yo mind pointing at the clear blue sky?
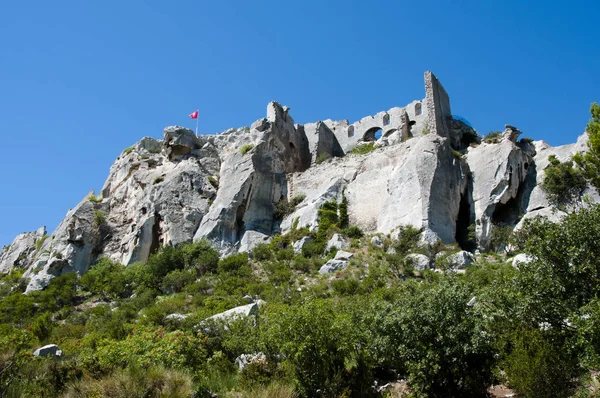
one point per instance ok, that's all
(82, 80)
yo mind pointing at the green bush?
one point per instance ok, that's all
(99, 217)
(95, 199)
(493, 137)
(166, 260)
(135, 381)
(434, 336)
(537, 368)
(233, 263)
(127, 151)
(322, 158)
(40, 242)
(158, 180)
(106, 278)
(363, 149)
(213, 181)
(563, 184)
(353, 232)
(200, 256)
(246, 148)
(175, 281)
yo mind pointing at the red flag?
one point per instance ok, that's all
(194, 115)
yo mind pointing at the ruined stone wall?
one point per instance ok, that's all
(437, 103)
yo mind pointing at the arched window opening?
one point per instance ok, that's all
(372, 134)
(386, 119)
(350, 131)
(418, 109)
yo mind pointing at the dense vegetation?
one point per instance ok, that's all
(535, 328)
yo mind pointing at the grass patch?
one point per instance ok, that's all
(213, 181)
(158, 180)
(456, 154)
(94, 199)
(363, 149)
(246, 148)
(493, 137)
(40, 242)
(322, 158)
(127, 151)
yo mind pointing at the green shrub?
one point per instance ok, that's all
(456, 362)
(40, 242)
(322, 158)
(158, 180)
(127, 151)
(284, 208)
(536, 368)
(343, 210)
(233, 263)
(493, 137)
(200, 256)
(99, 217)
(213, 181)
(363, 149)
(246, 148)
(353, 232)
(106, 278)
(262, 251)
(425, 131)
(164, 261)
(563, 184)
(135, 381)
(95, 199)
(175, 281)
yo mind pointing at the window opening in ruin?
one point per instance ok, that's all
(418, 109)
(372, 134)
(386, 120)
(350, 131)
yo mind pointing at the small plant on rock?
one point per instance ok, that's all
(99, 217)
(246, 148)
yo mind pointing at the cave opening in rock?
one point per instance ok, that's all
(156, 234)
(465, 226)
(239, 221)
(507, 213)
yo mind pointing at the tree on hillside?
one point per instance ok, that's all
(563, 183)
(589, 162)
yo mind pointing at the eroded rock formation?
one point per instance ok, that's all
(225, 187)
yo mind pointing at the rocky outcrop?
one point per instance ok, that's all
(501, 175)
(253, 179)
(225, 187)
(19, 253)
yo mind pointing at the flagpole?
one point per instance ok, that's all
(197, 124)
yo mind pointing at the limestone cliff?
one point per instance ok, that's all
(225, 187)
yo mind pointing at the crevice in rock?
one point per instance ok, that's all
(466, 219)
(157, 239)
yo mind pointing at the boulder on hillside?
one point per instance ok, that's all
(460, 260)
(420, 262)
(49, 350)
(337, 241)
(332, 266)
(299, 244)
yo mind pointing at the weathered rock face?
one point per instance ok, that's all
(19, 253)
(225, 187)
(253, 178)
(500, 190)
